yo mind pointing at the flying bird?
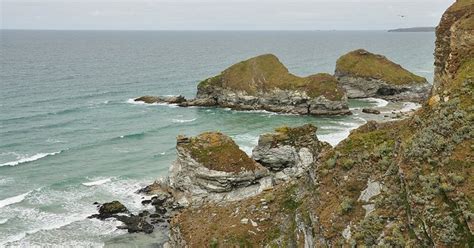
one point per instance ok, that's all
(402, 16)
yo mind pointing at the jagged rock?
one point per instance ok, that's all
(289, 151)
(364, 74)
(135, 224)
(371, 111)
(161, 99)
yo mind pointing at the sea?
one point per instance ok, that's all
(71, 134)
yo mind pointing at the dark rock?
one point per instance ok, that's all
(146, 202)
(160, 210)
(144, 213)
(370, 111)
(113, 207)
(159, 199)
(135, 224)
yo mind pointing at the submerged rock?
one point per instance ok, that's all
(364, 74)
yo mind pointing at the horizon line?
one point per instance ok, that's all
(196, 30)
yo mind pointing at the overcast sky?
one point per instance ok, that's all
(221, 14)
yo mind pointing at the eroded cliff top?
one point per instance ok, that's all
(265, 73)
(217, 151)
(361, 63)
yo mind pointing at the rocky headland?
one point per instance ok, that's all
(406, 183)
(264, 83)
(364, 74)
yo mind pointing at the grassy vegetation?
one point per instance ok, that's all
(219, 152)
(361, 63)
(265, 73)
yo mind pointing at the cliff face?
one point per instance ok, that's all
(263, 82)
(395, 184)
(364, 74)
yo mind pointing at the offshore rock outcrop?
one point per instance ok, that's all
(364, 74)
(264, 83)
(406, 183)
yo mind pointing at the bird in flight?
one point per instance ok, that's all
(402, 16)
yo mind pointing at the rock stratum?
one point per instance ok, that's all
(406, 183)
(364, 74)
(264, 83)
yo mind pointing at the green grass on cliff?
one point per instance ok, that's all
(364, 64)
(217, 151)
(265, 73)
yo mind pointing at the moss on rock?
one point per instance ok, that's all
(265, 73)
(361, 63)
(219, 152)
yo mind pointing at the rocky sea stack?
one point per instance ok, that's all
(264, 83)
(364, 74)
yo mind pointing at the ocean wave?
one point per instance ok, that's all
(26, 159)
(183, 121)
(3, 221)
(133, 136)
(379, 102)
(13, 199)
(98, 182)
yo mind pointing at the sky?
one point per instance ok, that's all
(220, 14)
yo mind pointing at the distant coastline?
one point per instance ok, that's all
(414, 29)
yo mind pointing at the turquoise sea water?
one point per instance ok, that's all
(70, 136)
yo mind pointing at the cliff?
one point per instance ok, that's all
(405, 183)
(364, 74)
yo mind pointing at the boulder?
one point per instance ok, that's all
(364, 74)
(111, 208)
(371, 111)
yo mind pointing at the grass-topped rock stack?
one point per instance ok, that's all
(211, 167)
(263, 82)
(364, 74)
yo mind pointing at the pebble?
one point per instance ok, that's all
(244, 221)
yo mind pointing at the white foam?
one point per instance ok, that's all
(98, 182)
(183, 121)
(409, 106)
(336, 137)
(26, 159)
(132, 101)
(379, 102)
(13, 199)
(3, 221)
